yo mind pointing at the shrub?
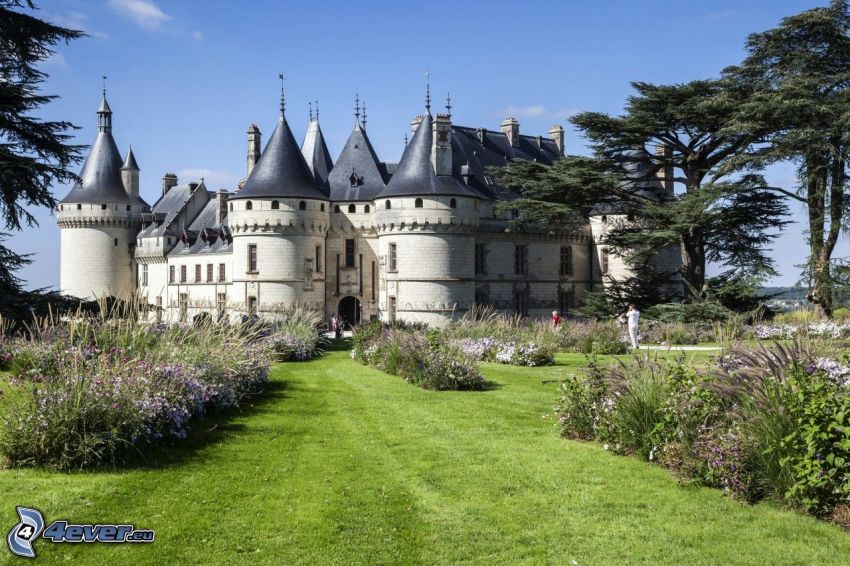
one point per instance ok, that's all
(425, 359)
(524, 355)
(95, 391)
(294, 334)
(593, 338)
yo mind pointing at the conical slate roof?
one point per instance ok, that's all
(415, 174)
(130, 161)
(100, 179)
(281, 170)
(357, 173)
(316, 154)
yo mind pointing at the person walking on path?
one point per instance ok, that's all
(633, 318)
(335, 326)
(556, 319)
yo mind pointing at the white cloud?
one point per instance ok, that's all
(212, 178)
(144, 12)
(55, 60)
(77, 21)
(525, 111)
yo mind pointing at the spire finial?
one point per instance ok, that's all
(449, 104)
(364, 114)
(104, 86)
(282, 95)
(310, 104)
(357, 107)
(317, 110)
(405, 140)
(428, 91)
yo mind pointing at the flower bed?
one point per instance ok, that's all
(92, 392)
(506, 352)
(766, 423)
(425, 360)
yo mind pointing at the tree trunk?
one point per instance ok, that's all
(820, 245)
(693, 263)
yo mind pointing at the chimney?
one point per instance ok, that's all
(169, 180)
(414, 125)
(510, 127)
(441, 151)
(664, 157)
(220, 205)
(254, 136)
(556, 133)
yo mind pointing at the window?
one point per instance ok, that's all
(604, 219)
(144, 274)
(322, 207)
(103, 207)
(302, 205)
(366, 208)
(336, 208)
(349, 252)
(221, 305)
(209, 273)
(521, 260)
(392, 309)
(480, 259)
(159, 308)
(318, 259)
(231, 207)
(222, 273)
(116, 241)
(252, 258)
(521, 302)
(453, 203)
(275, 205)
(197, 273)
(418, 203)
(566, 260)
(184, 306)
(171, 274)
(393, 259)
(352, 208)
(387, 204)
(249, 205)
(128, 207)
(79, 207)
(308, 274)
(252, 306)
(604, 261)
(182, 273)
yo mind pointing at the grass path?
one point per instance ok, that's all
(343, 464)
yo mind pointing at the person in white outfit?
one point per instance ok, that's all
(633, 317)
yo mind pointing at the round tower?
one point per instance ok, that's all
(426, 221)
(279, 220)
(99, 220)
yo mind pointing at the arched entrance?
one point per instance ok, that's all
(349, 310)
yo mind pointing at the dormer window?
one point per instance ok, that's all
(488, 179)
(275, 205)
(302, 205)
(417, 203)
(249, 205)
(355, 180)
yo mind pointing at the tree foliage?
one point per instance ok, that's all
(34, 153)
(799, 73)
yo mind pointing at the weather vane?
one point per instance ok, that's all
(428, 91)
(282, 95)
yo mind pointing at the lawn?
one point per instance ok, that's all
(339, 463)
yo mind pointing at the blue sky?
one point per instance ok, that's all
(187, 78)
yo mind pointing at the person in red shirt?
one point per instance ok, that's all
(556, 319)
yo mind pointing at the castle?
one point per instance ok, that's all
(418, 240)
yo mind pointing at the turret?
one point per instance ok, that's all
(99, 220)
(130, 174)
(315, 152)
